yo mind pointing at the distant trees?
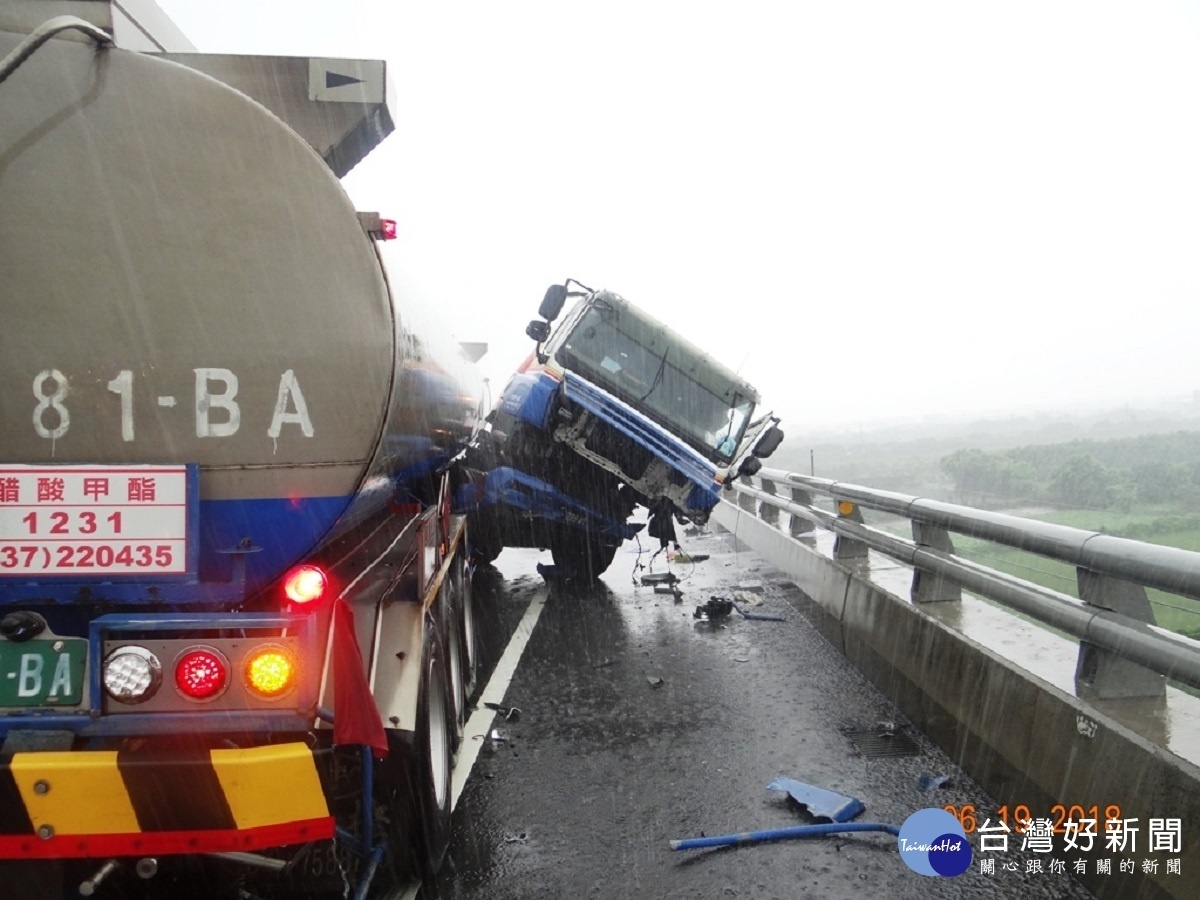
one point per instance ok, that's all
(1152, 469)
(978, 476)
(1160, 482)
(1082, 480)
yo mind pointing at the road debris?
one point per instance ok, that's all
(929, 782)
(508, 712)
(715, 608)
(494, 738)
(822, 803)
(659, 578)
(781, 834)
(746, 598)
(758, 617)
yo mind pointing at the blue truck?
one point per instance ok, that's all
(613, 410)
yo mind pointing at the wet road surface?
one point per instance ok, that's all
(639, 724)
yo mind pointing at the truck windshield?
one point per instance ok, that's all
(660, 375)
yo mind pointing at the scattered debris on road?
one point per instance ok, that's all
(821, 803)
(929, 782)
(715, 608)
(508, 712)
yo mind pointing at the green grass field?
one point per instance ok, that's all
(1152, 525)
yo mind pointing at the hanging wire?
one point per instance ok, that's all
(43, 33)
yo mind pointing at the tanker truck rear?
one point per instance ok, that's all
(236, 630)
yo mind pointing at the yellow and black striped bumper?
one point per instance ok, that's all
(57, 805)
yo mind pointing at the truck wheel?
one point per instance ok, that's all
(483, 537)
(583, 557)
(433, 743)
(451, 619)
(466, 616)
(602, 557)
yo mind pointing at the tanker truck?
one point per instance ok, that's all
(613, 410)
(236, 622)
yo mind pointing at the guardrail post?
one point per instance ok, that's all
(1102, 674)
(799, 525)
(928, 587)
(767, 512)
(845, 547)
(748, 502)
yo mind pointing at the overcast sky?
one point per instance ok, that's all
(874, 209)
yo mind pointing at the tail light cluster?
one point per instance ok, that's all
(259, 668)
(199, 672)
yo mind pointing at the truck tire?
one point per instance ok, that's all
(460, 577)
(582, 557)
(484, 538)
(433, 751)
(452, 631)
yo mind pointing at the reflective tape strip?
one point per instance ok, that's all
(74, 793)
(153, 782)
(84, 803)
(13, 818)
(268, 785)
(163, 843)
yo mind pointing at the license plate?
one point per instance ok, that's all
(42, 672)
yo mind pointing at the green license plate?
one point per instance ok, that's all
(42, 672)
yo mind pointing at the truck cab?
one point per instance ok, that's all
(614, 404)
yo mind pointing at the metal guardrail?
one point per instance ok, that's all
(1112, 619)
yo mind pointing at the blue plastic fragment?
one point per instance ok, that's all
(821, 804)
(782, 834)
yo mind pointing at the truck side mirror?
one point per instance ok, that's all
(552, 303)
(750, 466)
(538, 330)
(769, 442)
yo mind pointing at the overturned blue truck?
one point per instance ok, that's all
(612, 411)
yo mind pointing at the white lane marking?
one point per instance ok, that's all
(480, 723)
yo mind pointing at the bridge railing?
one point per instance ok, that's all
(1044, 699)
(1122, 653)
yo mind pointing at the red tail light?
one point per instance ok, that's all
(201, 674)
(305, 584)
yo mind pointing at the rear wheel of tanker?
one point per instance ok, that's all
(433, 750)
(456, 664)
(466, 621)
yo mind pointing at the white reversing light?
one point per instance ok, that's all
(132, 674)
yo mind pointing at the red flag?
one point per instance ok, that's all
(355, 716)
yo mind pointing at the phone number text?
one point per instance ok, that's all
(89, 557)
